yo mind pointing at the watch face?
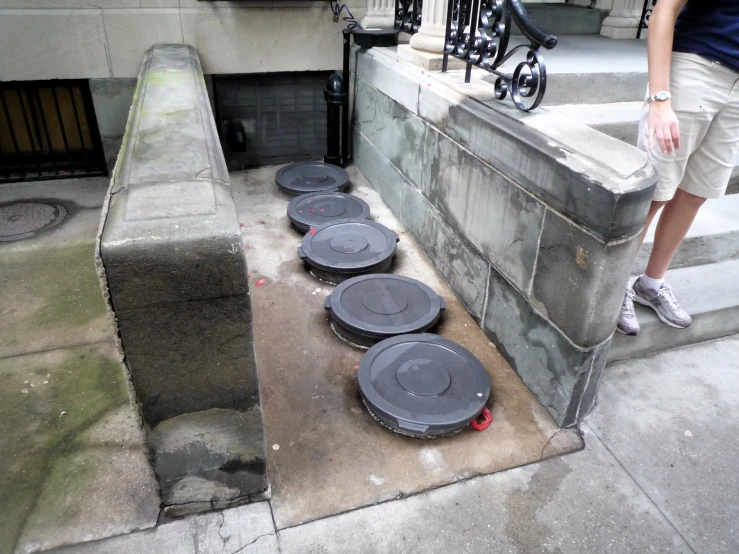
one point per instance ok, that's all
(662, 96)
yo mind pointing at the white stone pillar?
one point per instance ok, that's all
(431, 35)
(623, 21)
(380, 14)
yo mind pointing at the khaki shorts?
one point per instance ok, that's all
(705, 97)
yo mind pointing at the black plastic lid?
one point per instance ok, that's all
(316, 208)
(423, 385)
(375, 37)
(380, 306)
(348, 246)
(303, 177)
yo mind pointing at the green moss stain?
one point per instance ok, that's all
(46, 401)
(50, 298)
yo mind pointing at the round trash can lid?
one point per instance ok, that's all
(379, 306)
(348, 246)
(423, 385)
(303, 177)
(315, 208)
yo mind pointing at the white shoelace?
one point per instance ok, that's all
(666, 293)
(628, 306)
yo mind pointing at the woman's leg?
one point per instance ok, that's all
(673, 225)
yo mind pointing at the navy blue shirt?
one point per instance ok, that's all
(709, 28)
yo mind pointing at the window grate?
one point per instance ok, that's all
(48, 130)
(283, 117)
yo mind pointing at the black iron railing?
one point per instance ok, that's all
(408, 15)
(477, 32)
(646, 13)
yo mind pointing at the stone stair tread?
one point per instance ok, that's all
(598, 114)
(716, 217)
(560, 18)
(616, 119)
(713, 237)
(710, 293)
(590, 114)
(577, 54)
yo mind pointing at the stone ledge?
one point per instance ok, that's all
(598, 182)
(172, 250)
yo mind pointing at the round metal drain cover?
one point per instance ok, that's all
(23, 220)
(315, 208)
(370, 308)
(339, 250)
(423, 385)
(303, 177)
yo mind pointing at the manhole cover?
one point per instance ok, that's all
(370, 308)
(339, 250)
(423, 385)
(303, 177)
(315, 208)
(23, 220)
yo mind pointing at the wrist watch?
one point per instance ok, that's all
(660, 97)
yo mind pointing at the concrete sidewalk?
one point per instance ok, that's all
(73, 464)
(658, 475)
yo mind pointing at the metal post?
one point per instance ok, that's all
(445, 59)
(346, 34)
(333, 95)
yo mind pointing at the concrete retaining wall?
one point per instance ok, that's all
(173, 251)
(174, 269)
(531, 219)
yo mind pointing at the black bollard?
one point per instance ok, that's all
(335, 97)
(346, 78)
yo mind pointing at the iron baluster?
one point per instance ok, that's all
(408, 15)
(478, 32)
(646, 13)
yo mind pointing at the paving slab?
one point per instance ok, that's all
(51, 298)
(246, 530)
(325, 454)
(581, 503)
(72, 462)
(672, 420)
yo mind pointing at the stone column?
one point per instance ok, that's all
(430, 37)
(380, 14)
(623, 21)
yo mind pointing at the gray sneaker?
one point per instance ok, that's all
(663, 303)
(627, 322)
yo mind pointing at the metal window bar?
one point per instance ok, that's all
(646, 13)
(36, 136)
(408, 15)
(477, 32)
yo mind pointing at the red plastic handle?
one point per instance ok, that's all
(482, 421)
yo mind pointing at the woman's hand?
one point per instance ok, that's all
(663, 123)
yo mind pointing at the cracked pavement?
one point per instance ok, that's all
(657, 475)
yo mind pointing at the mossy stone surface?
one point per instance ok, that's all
(51, 299)
(47, 400)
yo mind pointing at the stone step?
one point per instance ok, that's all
(708, 292)
(713, 237)
(590, 69)
(565, 19)
(619, 120)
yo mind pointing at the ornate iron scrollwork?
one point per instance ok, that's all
(408, 15)
(646, 13)
(477, 32)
